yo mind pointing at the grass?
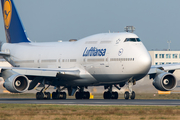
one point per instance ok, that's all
(75, 112)
(79, 112)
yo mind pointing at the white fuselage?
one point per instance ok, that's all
(107, 57)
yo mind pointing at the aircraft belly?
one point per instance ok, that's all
(100, 79)
(111, 77)
(116, 78)
(74, 83)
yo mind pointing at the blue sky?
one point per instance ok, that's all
(156, 21)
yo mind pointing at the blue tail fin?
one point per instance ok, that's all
(14, 30)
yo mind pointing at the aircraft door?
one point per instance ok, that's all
(59, 62)
(106, 63)
(39, 61)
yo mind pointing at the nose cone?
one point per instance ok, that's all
(143, 65)
(144, 62)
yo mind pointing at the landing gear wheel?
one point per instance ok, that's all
(48, 95)
(59, 95)
(54, 95)
(39, 96)
(107, 95)
(62, 95)
(114, 95)
(79, 95)
(82, 95)
(86, 95)
(126, 95)
(132, 95)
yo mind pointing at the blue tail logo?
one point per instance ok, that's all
(14, 30)
(7, 13)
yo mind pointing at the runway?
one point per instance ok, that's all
(92, 102)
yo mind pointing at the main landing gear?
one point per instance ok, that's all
(110, 94)
(43, 94)
(130, 94)
(46, 95)
(58, 94)
(81, 94)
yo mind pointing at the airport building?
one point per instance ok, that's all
(165, 57)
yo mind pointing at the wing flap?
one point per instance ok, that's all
(36, 72)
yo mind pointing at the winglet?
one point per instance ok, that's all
(14, 30)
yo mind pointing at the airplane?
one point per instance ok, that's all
(105, 59)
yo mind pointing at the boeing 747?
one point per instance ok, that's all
(106, 59)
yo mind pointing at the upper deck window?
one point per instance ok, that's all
(132, 40)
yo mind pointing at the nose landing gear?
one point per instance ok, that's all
(130, 94)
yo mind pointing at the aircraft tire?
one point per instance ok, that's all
(48, 95)
(133, 95)
(37, 96)
(126, 95)
(86, 95)
(114, 95)
(63, 95)
(58, 95)
(107, 95)
(40, 96)
(79, 95)
(54, 95)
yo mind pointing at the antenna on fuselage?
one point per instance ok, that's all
(129, 29)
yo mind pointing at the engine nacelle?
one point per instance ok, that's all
(16, 83)
(165, 81)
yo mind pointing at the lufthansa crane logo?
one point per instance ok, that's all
(7, 11)
(120, 52)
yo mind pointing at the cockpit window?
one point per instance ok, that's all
(138, 40)
(132, 40)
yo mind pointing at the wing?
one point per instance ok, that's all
(167, 68)
(13, 76)
(43, 72)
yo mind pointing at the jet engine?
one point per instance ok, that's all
(165, 81)
(16, 83)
